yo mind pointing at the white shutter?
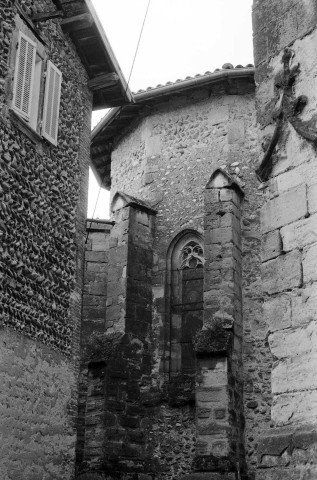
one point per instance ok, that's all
(51, 102)
(24, 75)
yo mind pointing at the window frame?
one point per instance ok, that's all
(17, 71)
(34, 120)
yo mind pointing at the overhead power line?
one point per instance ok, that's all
(119, 114)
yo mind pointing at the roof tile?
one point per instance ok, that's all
(225, 66)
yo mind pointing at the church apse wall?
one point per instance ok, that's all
(165, 160)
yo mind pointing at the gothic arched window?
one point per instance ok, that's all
(186, 300)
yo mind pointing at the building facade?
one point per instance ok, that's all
(285, 51)
(173, 285)
(177, 339)
(229, 389)
(48, 78)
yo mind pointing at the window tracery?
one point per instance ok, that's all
(192, 256)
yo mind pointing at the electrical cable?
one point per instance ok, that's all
(128, 82)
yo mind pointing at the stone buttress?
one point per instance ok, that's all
(219, 406)
(118, 359)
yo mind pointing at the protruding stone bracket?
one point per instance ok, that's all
(121, 200)
(102, 347)
(287, 108)
(214, 340)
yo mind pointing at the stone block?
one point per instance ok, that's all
(207, 475)
(310, 263)
(312, 198)
(147, 179)
(293, 342)
(282, 273)
(212, 428)
(296, 373)
(113, 313)
(93, 313)
(236, 132)
(100, 246)
(95, 256)
(216, 376)
(96, 267)
(153, 145)
(278, 24)
(212, 196)
(219, 235)
(271, 245)
(299, 234)
(294, 408)
(282, 210)
(218, 115)
(305, 172)
(220, 413)
(277, 313)
(96, 288)
(304, 305)
(203, 412)
(99, 241)
(212, 395)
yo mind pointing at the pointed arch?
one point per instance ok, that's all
(185, 261)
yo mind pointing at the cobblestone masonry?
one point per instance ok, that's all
(284, 36)
(42, 220)
(166, 159)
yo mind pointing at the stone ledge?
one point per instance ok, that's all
(211, 465)
(210, 476)
(280, 440)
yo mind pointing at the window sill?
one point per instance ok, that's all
(25, 128)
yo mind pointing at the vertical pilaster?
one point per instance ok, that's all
(128, 326)
(218, 347)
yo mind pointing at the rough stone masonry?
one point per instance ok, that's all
(43, 203)
(182, 343)
(247, 388)
(285, 52)
(193, 410)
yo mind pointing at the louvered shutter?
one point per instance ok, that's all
(51, 102)
(24, 75)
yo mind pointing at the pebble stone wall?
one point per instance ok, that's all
(42, 211)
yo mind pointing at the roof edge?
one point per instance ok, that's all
(178, 87)
(111, 115)
(200, 81)
(109, 52)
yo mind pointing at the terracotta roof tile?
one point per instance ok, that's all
(225, 66)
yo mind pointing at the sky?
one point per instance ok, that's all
(180, 38)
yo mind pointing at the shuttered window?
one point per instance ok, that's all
(24, 75)
(51, 102)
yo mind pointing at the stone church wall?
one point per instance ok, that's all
(166, 160)
(42, 223)
(285, 42)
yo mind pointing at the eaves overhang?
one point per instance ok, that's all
(106, 79)
(235, 81)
